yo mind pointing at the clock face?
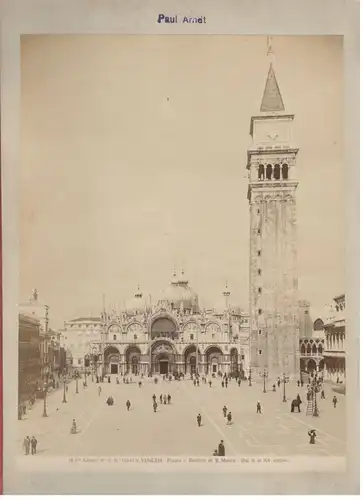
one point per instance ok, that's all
(135, 328)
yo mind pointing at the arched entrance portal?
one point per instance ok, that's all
(112, 360)
(163, 358)
(133, 357)
(214, 358)
(190, 359)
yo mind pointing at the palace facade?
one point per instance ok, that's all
(173, 335)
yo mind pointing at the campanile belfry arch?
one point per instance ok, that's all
(271, 161)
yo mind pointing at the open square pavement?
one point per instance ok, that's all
(113, 431)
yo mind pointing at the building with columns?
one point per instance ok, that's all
(335, 350)
(172, 335)
(271, 162)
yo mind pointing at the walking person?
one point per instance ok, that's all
(128, 405)
(224, 411)
(335, 400)
(274, 388)
(312, 435)
(155, 405)
(99, 390)
(199, 419)
(259, 409)
(215, 453)
(154, 398)
(26, 445)
(161, 399)
(165, 399)
(169, 399)
(210, 383)
(229, 418)
(34, 443)
(221, 449)
(239, 382)
(222, 384)
(322, 394)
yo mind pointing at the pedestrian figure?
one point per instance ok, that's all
(194, 382)
(140, 384)
(229, 418)
(222, 384)
(164, 399)
(298, 383)
(274, 388)
(239, 382)
(128, 405)
(259, 407)
(215, 453)
(322, 394)
(226, 383)
(154, 398)
(161, 399)
(278, 382)
(221, 449)
(335, 400)
(33, 443)
(99, 390)
(312, 435)
(302, 383)
(199, 419)
(210, 383)
(224, 411)
(109, 379)
(74, 427)
(155, 405)
(169, 399)
(198, 382)
(26, 445)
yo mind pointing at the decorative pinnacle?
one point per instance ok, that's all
(226, 292)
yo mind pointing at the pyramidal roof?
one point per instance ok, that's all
(272, 100)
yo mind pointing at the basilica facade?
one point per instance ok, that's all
(173, 335)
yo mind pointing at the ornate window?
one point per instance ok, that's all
(134, 329)
(213, 328)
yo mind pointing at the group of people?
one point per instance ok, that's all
(30, 445)
(227, 414)
(164, 399)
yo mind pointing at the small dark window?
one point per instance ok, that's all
(258, 231)
(114, 337)
(259, 272)
(259, 289)
(277, 172)
(285, 171)
(260, 311)
(260, 332)
(258, 211)
(191, 336)
(135, 337)
(261, 172)
(259, 351)
(269, 172)
(259, 253)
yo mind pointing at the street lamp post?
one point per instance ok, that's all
(264, 375)
(285, 379)
(85, 377)
(314, 390)
(77, 375)
(45, 414)
(250, 377)
(64, 389)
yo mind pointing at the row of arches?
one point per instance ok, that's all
(163, 358)
(275, 172)
(311, 349)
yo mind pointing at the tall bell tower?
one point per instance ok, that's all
(271, 161)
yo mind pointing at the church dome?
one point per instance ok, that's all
(179, 295)
(137, 304)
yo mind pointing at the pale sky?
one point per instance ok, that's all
(134, 161)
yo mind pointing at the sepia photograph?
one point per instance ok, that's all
(182, 276)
